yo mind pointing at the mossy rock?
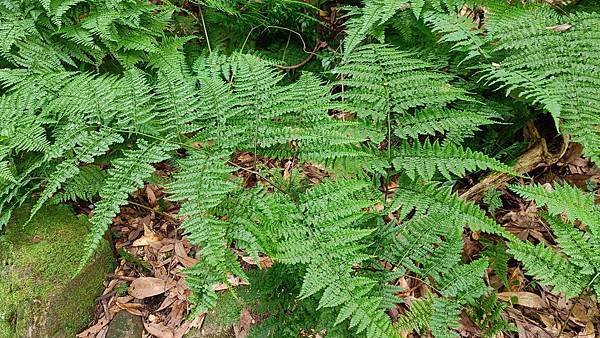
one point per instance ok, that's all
(219, 321)
(39, 295)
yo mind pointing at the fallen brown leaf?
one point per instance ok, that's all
(144, 287)
(148, 238)
(158, 330)
(242, 328)
(527, 299)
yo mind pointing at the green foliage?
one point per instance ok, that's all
(346, 185)
(460, 31)
(369, 20)
(492, 199)
(425, 159)
(576, 267)
(564, 198)
(552, 60)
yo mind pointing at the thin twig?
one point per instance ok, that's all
(153, 210)
(566, 321)
(319, 45)
(205, 31)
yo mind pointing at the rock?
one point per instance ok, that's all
(125, 325)
(39, 295)
(218, 322)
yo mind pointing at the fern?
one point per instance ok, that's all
(127, 174)
(581, 267)
(430, 121)
(91, 146)
(380, 80)
(365, 21)
(411, 195)
(563, 198)
(329, 243)
(460, 31)
(553, 67)
(86, 185)
(424, 159)
(343, 178)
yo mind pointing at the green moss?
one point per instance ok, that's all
(37, 287)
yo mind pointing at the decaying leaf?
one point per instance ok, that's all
(144, 287)
(560, 28)
(527, 299)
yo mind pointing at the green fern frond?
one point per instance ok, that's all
(418, 317)
(579, 246)
(125, 176)
(549, 267)
(554, 67)
(581, 266)
(411, 195)
(5, 172)
(432, 120)
(380, 80)
(84, 186)
(365, 21)
(90, 146)
(438, 315)
(460, 31)
(428, 158)
(564, 198)
(329, 243)
(137, 109)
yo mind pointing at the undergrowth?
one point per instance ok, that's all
(400, 101)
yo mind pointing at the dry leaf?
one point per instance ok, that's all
(588, 332)
(560, 28)
(94, 329)
(243, 326)
(148, 238)
(159, 330)
(264, 261)
(144, 287)
(151, 196)
(527, 299)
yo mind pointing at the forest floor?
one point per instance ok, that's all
(148, 280)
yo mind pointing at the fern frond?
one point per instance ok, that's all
(432, 120)
(365, 21)
(411, 195)
(549, 267)
(418, 317)
(564, 198)
(428, 158)
(438, 315)
(577, 245)
(380, 80)
(125, 176)
(329, 242)
(84, 186)
(460, 31)
(556, 68)
(137, 109)
(92, 145)
(5, 172)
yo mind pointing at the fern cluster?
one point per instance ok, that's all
(580, 269)
(95, 93)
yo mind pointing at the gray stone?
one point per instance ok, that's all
(125, 325)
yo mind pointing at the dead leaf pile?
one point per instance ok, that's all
(148, 280)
